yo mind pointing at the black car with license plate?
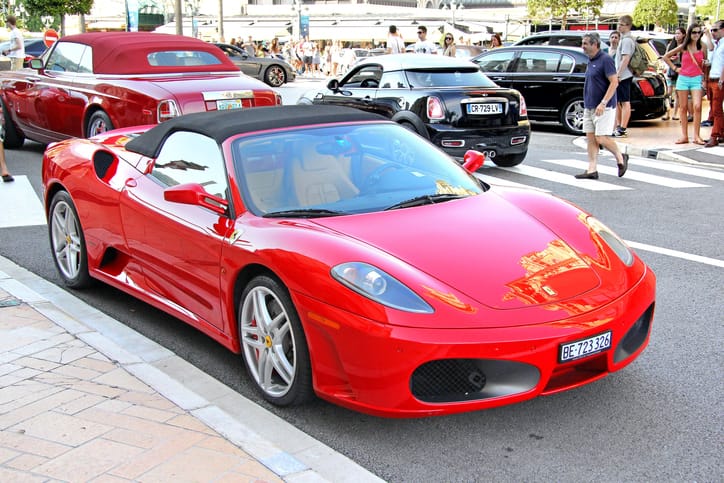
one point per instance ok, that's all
(551, 79)
(443, 99)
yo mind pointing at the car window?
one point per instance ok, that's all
(66, 57)
(538, 62)
(496, 61)
(451, 77)
(170, 58)
(188, 157)
(393, 80)
(365, 77)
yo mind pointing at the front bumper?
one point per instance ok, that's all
(394, 371)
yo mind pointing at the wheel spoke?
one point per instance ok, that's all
(261, 312)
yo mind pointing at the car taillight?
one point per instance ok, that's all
(167, 109)
(646, 88)
(523, 108)
(435, 110)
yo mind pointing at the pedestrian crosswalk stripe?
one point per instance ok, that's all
(20, 205)
(504, 182)
(678, 168)
(564, 178)
(675, 253)
(630, 174)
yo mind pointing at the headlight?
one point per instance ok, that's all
(612, 240)
(377, 285)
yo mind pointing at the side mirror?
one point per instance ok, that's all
(473, 160)
(36, 63)
(333, 85)
(195, 194)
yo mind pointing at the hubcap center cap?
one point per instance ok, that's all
(268, 341)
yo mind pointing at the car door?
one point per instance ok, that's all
(542, 76)
(357, 89)
(179, 245)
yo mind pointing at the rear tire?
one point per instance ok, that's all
(275, 75)
(572, 116)
(98, 123)
(13, 139)
(510, 160)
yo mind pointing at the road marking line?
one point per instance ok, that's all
(20, 204)
(677, 168)
(564, 178)
(638, 176)
(493, 181)
(676, 253)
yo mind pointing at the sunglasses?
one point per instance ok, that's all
(419, 32)
(696, 31)
(448, 38)
(713, 30)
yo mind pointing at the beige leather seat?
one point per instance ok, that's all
(321, 178)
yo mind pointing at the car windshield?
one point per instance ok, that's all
(345, 169)
(458, 77)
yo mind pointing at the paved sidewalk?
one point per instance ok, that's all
(85, 398)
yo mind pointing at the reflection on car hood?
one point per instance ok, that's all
(482, 246)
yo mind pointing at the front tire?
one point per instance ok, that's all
(572, 116)
(275, 75)
(273, 343)
(98, 123)
(67, 242)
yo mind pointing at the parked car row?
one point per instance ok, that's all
(33, 48)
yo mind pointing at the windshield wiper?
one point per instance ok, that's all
(426, 200)
(303, 213)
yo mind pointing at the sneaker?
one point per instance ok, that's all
(621, 132)
(706, 123)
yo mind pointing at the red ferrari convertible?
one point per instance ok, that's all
(89, 83)
(344, 256)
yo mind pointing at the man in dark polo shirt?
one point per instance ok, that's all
(599, 106)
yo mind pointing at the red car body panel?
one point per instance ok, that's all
(49, 105)
(542, 279)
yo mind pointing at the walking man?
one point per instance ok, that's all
(599, 106)
(716, 78)
(626, 47)
(16, 52)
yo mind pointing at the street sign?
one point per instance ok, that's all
(50, 37)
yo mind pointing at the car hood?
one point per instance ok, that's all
(482, 246)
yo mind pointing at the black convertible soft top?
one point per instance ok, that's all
(220, 125)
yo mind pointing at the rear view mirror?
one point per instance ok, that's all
(195, 194)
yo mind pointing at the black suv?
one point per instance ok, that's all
(443, 99)
(551, 80)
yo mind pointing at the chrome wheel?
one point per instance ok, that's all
(99, 123)
(67, 242)
(273, 343)
(275, 76)
(572, 116)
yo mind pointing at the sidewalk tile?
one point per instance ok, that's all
(14, 476)
(61, 428)
(31, 410)
(28, 444)
(26, 462)
(122, 379)
(88, 461)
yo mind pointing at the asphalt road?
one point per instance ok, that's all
(659, 419)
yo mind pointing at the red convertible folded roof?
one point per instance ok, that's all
(126, 53)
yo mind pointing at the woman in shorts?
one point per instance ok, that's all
(690, 80)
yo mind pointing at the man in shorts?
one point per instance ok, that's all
(599, 106)
(624, 52)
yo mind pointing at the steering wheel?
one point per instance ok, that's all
(369, 83)
(375, 176)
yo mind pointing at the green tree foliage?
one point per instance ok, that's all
(655, 12)
(708, 11)
(58, 8)
(560, 10)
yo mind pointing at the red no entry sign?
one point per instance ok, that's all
(50, 37)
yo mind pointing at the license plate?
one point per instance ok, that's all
(489, 108)
(224, 104)
(585, 347)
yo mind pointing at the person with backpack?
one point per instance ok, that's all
(626, 49)
(691, 76)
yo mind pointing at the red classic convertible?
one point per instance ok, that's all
(345, 256)
(93, 82)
